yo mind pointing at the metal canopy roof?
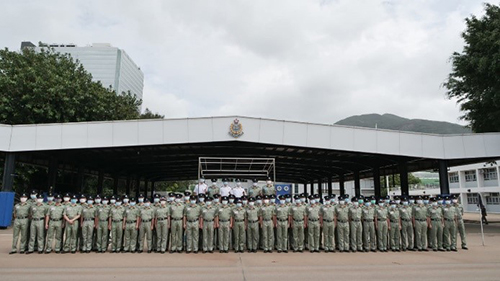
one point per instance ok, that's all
(170, 149)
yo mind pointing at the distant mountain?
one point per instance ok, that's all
(394, 122)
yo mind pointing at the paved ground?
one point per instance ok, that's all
(478, 263)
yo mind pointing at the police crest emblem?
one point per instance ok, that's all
(236, 129)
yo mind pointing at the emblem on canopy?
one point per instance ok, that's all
(236, 129)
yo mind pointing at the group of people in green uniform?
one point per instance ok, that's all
(206, 221)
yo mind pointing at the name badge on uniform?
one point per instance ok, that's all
(52, 208)
(235, 212)
(17, 207)
(128, 211)
(418, 209)
(188, 209)
(34, 209)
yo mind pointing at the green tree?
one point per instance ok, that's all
(475, 76)
(150, 115)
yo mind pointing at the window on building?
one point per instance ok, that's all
(493, 199)
(473, 198)
(490, 174)
(453, 177)
(470, 176)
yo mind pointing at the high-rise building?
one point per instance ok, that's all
(107, 64)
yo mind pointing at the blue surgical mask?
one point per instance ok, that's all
(193, 201)
(426, 201)
(50, 199)
(312, 201)
(156, 200)
(73, 201)
(374, 201)
(238, 204)
(33, 196)
(98, 201)
(405, 203)
(216, 200)
(224, 202)
(147, 204)
(125, 200)
(118, 203)
(381, 204)
(105, 202)
(132, 203)
(251, 203)
(288, 200)
(393, 206)
(282, 202)
(90, 202)
(112, 201)
(368, 204)
(259, 201)
(209, 203)
(202, 199)
(448, 202)
(231, 200)
(141, 200)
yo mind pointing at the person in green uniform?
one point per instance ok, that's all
(450, 225)
(146, 225)
(327, 221)
(224, 224)
(209, 215)
(368, 217)
(71, 214)
(435, 217)
(298, 213)
(395, 227)
(21, 223)
(132, 215)
(252, 226)
(420, 222)
(239, 226)
(269, 189)
(213, 188)
(313, 224)
(38, 211)
(342, 223)
(406, 216)
(117, 224)
(267, 222)
(88, 221)
(162, 215)
(382, 224)
(459, 211)
(192, 223)
(356, 231)
(53, 224)
(283, 218)
(104, 225)
(255, 189)
(176, 224)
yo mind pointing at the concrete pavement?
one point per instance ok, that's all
(478, 263)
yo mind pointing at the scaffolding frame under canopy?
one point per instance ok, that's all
(237, 167)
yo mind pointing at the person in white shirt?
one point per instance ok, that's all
(201, 187)
(238, 191)
(225, 190)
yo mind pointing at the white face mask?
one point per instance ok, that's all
(209, 203)
(259, 201)
(113, 201)
(216, 200)
(455, 201)
(420, 202)
(132, 203)
(39, 200)
(147, 204)
(266, 201)
(66, 199)
(238, 184)
(244, 202)
(105, 202)
(50, 199)
(141, 200)
(125, 200)
(83, 200)
(356, 204)
(251, 203)
(156, 200)
(448, 202)
(186, 198)
(193, 201)
(226, 183)
(341, 202)
(312, 201)
(269, 182)
(398, 201)
(98, 201)
(178, 200)
(254, 184)
(118, 203)
(224, 202)
(33, 196)
(231, 200)
(90, 202)
(434, 203)
(163, 202)
(24, 199)
(202, 199)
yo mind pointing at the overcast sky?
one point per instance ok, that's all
(315, 61)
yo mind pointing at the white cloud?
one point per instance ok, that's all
(303, 60)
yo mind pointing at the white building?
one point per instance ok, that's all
(107, 64)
